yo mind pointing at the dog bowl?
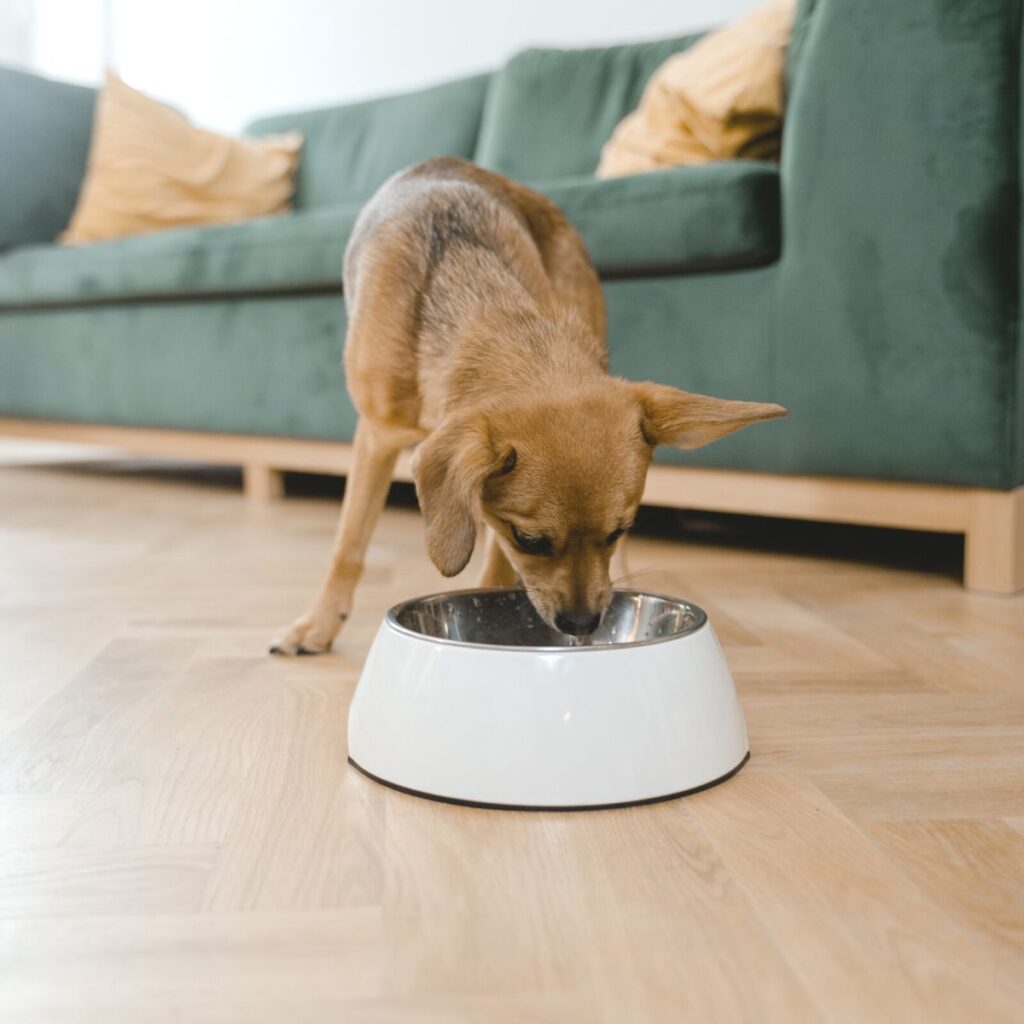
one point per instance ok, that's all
(471, 698)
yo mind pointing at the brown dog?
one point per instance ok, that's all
(476, 326)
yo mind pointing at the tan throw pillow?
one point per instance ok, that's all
(719, 100)
(150, 168)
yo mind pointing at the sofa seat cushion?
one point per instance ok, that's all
(686, 219)
(676, 221)
(291, 252)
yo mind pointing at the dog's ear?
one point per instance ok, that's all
(450, 468)
(671, 416)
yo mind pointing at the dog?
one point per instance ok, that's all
(477, 332)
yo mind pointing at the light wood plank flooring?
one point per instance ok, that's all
(182, 840)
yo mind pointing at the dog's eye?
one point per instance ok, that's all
(614, 536)
(531, 545)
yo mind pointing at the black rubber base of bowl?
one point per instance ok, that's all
(544, 807)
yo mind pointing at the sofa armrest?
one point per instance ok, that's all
(45, 133)
(899, 285)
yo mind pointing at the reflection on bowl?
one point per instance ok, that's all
(506, 618)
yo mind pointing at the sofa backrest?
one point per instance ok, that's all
(45, 128)
(348, 151)
(549, 112)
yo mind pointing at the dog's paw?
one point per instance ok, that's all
(312, 634)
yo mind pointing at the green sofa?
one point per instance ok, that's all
(870, 283)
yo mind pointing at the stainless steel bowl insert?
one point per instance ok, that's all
(507, 619)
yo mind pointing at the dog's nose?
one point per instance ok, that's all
(577, 623)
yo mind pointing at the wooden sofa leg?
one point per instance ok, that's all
(261, 483)
(994, 546)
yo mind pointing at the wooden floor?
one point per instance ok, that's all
(182, 840)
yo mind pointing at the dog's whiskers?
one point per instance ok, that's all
(633, 575)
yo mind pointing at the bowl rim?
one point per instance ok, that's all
(391, 621)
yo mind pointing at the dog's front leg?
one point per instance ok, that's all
(497, 570)
(366, 490)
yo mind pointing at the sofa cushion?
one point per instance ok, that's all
(719, 100)
(290, 252)
(549, 112)
(674, 221)
(348, 151)
(680, 220)
(151, 169)
(45, 128)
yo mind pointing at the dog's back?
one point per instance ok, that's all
(447, 201)
(436, 244)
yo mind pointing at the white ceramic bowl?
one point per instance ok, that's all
(470, 697)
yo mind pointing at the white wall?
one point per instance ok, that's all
(15, 31)
(59, 38)
(225, 61)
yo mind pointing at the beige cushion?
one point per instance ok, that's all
(719, 100)
(150, 168)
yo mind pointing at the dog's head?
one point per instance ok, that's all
(559, 478)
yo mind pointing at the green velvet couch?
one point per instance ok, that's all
(870, 283)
